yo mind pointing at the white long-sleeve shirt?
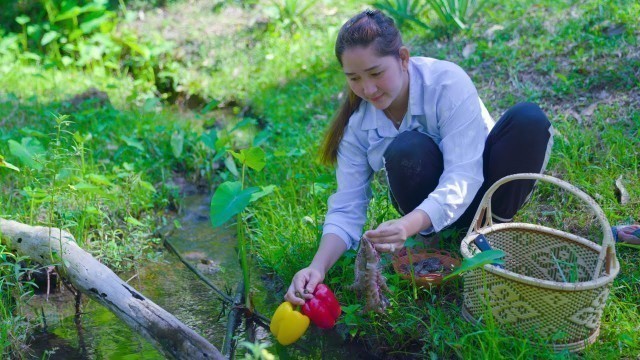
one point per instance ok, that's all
(443, 104)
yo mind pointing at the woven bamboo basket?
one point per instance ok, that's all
(532, 295)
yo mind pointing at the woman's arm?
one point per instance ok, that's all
(305, 281)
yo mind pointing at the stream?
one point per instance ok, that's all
(98, 334)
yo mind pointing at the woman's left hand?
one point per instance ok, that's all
(388, 236)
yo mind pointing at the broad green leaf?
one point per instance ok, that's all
(478, 261)
(177, 143)
(253, 157)
(26, 151)
(264, 191)
(228, 200)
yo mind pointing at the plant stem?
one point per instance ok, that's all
(242, 249)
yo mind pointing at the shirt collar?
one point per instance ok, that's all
(374, 118)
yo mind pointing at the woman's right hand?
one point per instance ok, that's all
(303, 285)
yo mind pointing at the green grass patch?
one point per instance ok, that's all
(104, 172)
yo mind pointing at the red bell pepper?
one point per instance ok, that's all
(323, 309)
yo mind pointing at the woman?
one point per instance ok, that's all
(420, 120)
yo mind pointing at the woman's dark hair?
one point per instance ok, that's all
(370, 27)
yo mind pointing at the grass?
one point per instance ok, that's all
(578, 60)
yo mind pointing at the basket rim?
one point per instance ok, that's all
(528, 280)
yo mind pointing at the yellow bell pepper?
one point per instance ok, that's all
(287, 324)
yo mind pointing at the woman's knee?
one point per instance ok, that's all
(530, 118)
(411, 144)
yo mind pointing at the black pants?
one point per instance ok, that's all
(517, 144)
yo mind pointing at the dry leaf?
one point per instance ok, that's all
(621, 192)
(468, 50)
(490, 33)
(576, 115)
(590, 109)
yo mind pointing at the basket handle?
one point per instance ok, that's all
(608, 251)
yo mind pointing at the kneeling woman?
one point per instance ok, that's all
(420, 120)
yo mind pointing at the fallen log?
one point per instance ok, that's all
(52, 246)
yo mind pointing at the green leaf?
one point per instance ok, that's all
(231, 165)
(633, 246)
(264, 191)
(23, 19)
(134, 221)
(48, 37)
(132, 142)
(7, 165)
(26, 151)
(99, 179)
(209, 139)
(253, 157)
(86, 187)
(478, 261)
(212, 104)
(241, 124)
(229, 200)
(177, 143)
(147, 186)
(261, 137)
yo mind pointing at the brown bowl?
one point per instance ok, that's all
(403, 260)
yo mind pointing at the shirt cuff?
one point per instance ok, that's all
(333, 229)
(434, 210)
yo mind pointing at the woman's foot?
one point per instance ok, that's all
(629, 234)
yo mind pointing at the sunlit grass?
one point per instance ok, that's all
(568, 57)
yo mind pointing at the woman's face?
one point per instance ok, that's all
(378, 80)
